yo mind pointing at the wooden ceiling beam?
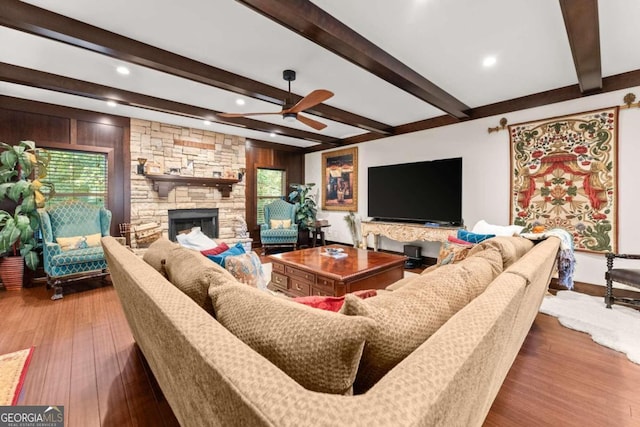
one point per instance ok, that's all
(308, 20)
(583, 29)
(41, 22)
(34, 78)
(567, 93)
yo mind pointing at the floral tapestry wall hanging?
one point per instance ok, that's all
(564, 175)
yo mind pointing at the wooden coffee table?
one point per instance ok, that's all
(309, 272)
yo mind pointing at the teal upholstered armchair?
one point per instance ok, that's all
(71, 233)
(280, 228)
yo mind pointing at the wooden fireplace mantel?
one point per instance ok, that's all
(163, 184)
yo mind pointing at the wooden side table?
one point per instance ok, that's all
(318, 233)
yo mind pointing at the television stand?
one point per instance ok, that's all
(404, 232)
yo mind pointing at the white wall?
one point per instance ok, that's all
(486, 174)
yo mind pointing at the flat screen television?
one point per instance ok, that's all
(420, 192)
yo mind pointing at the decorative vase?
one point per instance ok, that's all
(12, 272)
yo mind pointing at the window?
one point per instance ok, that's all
(77, 175)
(271, 185)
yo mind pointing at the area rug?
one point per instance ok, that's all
(616, 328)
(13, 370)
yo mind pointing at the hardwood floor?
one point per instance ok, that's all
(86, 360)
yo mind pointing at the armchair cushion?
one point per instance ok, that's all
(77, 256)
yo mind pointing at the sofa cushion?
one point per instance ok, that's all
(247, 268)
(408, 316)
(192, 273)
(318, 349)
(158, 251)
(511, 248)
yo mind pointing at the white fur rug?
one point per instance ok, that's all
(617, 328)
(266, 270)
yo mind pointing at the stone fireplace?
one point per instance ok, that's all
(181, 220)
(187, 152)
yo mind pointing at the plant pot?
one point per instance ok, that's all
(303, 238)
(12, 272)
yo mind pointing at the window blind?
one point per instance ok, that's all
(77, 175)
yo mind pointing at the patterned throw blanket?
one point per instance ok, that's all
(566, 259)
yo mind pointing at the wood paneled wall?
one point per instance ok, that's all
(264, 155)
(61, 127)
(52, 126)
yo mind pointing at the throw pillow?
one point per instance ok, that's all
(247, 268)
(450, 252)
(217, 250)
(483, 227)
(332, 303)
(458, 241)
(219, 259)
(79, 242)
(192, 273)
(158, 252)
(473, 237)
(280, 223)
(318, 349)
(196, 239)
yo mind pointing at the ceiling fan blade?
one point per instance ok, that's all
(245, 114)
(314, 98)
(310, 122)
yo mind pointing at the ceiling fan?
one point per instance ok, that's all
(291, 113)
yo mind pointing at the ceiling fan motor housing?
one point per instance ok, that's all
(290, 117)
(289, 75)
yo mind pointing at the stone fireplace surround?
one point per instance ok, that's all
(176, 147)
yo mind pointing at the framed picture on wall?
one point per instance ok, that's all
(340, 180)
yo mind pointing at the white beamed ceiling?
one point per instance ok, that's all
(444, 41)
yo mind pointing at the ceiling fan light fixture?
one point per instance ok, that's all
(290, 117)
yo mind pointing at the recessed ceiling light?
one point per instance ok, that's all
(240, 101)
(489, 61)
(112, 104)
(123, 70)
(272, 135)
(207, 122)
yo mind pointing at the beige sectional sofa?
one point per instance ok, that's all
(432, 352)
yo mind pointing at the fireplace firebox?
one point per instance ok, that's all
(181, 220)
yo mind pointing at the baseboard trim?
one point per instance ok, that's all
(593, 290)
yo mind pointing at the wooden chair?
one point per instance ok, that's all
(626, 276)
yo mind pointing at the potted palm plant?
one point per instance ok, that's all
(304, 198)
(21, 168)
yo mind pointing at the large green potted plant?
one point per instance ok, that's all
(21, 168)
(304, 198)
